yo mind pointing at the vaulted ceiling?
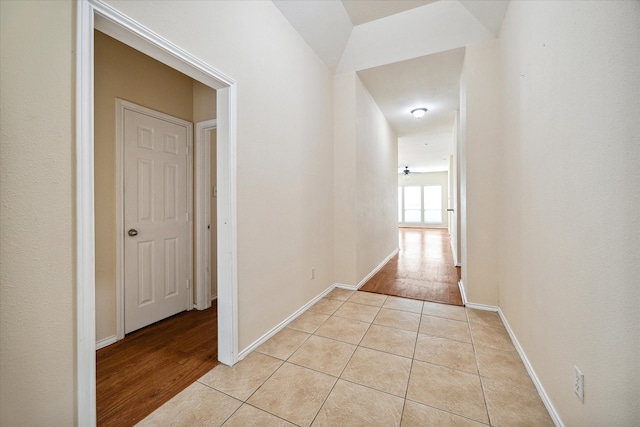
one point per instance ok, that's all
(408, 53)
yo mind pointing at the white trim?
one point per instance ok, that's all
(453, 253)
(85, 221)
(120, 27)
(105, 342)
(227, 227)
(202, 193)
(375, 270)
(463, 293)
(483, 307)
(96, 14)
(244, 353)
(546, 400)
(343, 286)
(121, 106)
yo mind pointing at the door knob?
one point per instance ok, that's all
(133, 232)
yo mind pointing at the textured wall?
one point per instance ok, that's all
(479, 181)
(365, 182)
(570, 197)
(376, 184)
(37, 294)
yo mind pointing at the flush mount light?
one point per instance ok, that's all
(418, 112)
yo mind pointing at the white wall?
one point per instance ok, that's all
(37, 292)
(479, 151)
(569, 192)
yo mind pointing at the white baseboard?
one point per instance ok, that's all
(484, 307)
(347, 287)
(375, 270)
(541, 391)
(244, 353)
(214, 298)
(463, 294)
(543, 394)
(105, 342)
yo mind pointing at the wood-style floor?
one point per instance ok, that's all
(423, 269)
(138, 374)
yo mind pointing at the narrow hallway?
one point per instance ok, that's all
(423, 269)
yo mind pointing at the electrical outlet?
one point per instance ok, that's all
(578, 383)
(313, 273)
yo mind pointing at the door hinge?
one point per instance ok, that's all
(187, 150)
(187, 216)
(188, 284)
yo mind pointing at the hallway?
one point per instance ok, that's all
(423, 269)
(361, 359)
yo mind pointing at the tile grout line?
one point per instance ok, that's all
(413, 359)
(475, 354)
(345, 366)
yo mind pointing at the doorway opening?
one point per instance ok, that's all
(93, 15)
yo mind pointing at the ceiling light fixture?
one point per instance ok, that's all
(418, 112)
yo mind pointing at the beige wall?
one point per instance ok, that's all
(344, 178)
(37, 250)
(377, 184)
(570, 180)
(429, 178)
(122, 72)
(365, 181)
(479, 184)
(285, 150)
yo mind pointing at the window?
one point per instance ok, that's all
(433, 204)
(412, 204)
(420, 204)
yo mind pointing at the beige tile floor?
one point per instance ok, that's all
(361, 359)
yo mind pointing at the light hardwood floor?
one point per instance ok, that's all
(423, 269)
(138, 374)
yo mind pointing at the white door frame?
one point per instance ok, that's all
(94, 14)
(202, 167)
(121, 105)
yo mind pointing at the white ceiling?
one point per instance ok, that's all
(362, 12)
(408, 53)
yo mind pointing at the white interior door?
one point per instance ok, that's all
(156, 275)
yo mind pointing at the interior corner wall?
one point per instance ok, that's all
(570, 229)
(123, 72)
(284, 149)
(479, 150)
(37, 256)
(377, 184)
